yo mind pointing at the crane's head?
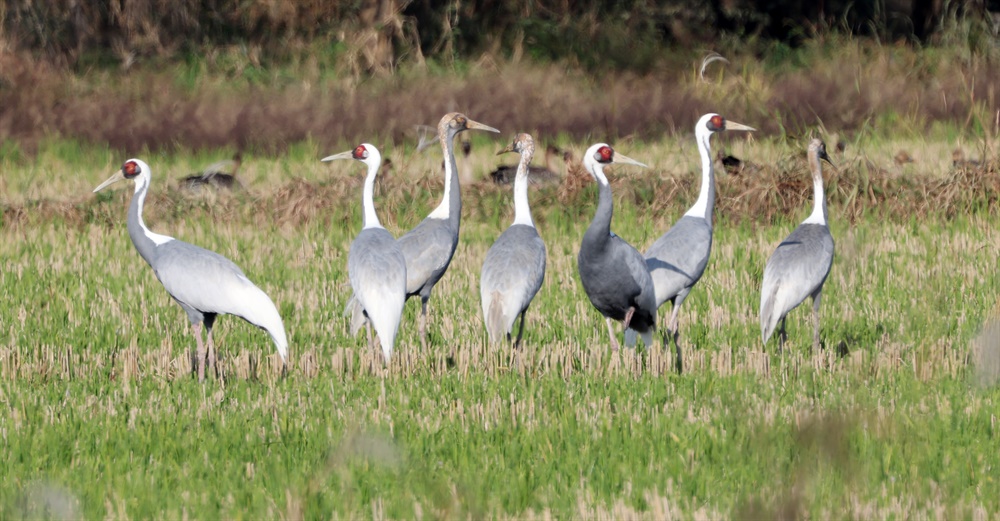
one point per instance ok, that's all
(817, 149)
(522, 144)
(600, 155)
(365, 152)
(712, 123)
(134, 169)
(454, 122)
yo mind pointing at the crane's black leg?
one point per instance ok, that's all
(209, 323)
(520, 330)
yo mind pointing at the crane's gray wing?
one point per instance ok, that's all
(677, 260)
(797, 268)
(210, 283)
(428, 249)
(377, 271)
(513, 271)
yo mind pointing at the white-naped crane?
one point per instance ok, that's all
(677, 260)
(375, 263)
(613, 273)
(204, 283)
(429, 247)
(801, 263)
(515, 265)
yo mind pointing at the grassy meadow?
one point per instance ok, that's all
(895, 417)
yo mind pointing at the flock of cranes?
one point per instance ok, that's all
(622, 283)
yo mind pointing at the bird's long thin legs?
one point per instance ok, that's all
(628, 316)
(679, 363)
(816, 300)
(211, 354)
(199, 354)
(611, 334)
(782, 336)
(423, 321)
(520, 330)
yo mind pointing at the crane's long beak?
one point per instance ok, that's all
(732, 125)
(117, 176)
(343, 155)
(623, 159)
(508, 148)
(475, 125)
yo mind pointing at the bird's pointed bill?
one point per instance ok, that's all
(343, 155)
(622, 159)
(117, 176)
(508, 148)
(732, 125)
(479, 126)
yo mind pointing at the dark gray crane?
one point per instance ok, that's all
(613, 273)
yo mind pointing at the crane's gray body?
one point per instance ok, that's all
(677, 260)
(613, 273)
(204, 283)
(512, 274)
(800, 265)
(377, 271)
(429, 248)
(797, 269)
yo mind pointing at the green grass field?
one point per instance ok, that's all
(100, 416)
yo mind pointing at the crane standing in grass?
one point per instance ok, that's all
(375, 263)
(515, 265)
(429, 247)
(204, 283)
(801, 263)
(613, 273)
(677, 260)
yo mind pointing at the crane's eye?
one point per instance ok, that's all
(131, 169)
(717, 123)
(361, 152)
(604, 154)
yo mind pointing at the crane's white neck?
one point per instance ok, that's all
(819, 214)
(522, 212)
(443, 211)
(141, 188)
(706, 197)
(368, 197)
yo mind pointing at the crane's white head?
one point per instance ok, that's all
(365, 152)
(134, 169)
(712, 123)
(600, 155)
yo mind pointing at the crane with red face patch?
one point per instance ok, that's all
(375, 263)
(430, 245)
(677, 260)
(204, 283)
(613, 273)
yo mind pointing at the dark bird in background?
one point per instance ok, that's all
(215, 176)
(505, 174)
